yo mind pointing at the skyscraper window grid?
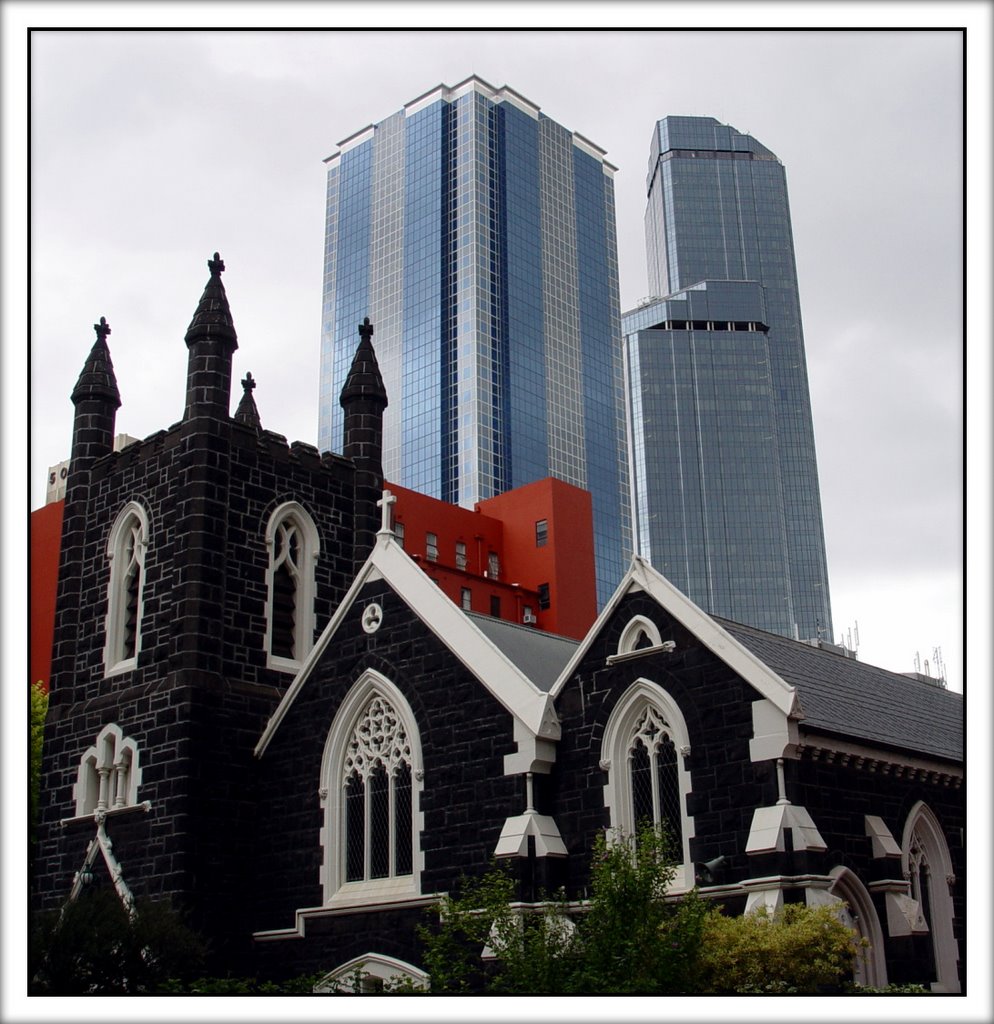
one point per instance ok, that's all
(718, 213)
(499, 337)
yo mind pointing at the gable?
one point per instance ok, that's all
(458, 632)
(641, 577)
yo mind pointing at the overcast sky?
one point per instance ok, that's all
(151, 150)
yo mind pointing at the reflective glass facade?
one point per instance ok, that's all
(725, 479)
(478, 236)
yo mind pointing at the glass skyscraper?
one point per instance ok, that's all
(478, 236)
(725, 479)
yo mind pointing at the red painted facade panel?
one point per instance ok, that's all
(46, 538)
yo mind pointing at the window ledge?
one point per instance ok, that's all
(667, 647)
(120, 667)
(111, 812)
(383, 890)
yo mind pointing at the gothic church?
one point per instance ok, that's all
(265, 711)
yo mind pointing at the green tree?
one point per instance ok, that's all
(630, 937)
(39, 711)
(94, 947)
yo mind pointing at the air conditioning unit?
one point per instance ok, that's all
(530, 617)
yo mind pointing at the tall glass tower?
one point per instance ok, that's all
(725, 479)
(478, 236)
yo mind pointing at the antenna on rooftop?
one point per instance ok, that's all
(918, 663)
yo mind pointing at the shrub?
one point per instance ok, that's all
(800, 949)
(93, 947)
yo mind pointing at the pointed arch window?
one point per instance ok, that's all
(126, 549)
(645, 743)
(372, 780)
(108, 774)
(293, 546)
(928, 867)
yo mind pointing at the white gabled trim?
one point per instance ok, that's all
(642, 576)
(305, 914)
(513, 839)
(372, 965)
(500, 676)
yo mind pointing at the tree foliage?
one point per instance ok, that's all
(799, 949)
(38, 713)
(630, 937)
(94, 947)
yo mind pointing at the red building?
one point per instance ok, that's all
(46, 536)
(526, 556)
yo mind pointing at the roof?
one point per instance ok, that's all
(540, 656)
(460, 633)
(848, 697)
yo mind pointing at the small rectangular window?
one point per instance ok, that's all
(460, 554)
(398, 532)
(431, 547)
(541, 533)
(493, 566)
(467, 599)
(544, 599)
(495, 606)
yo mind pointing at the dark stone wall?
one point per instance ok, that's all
(465, 734)
(716, 705)
(727, 786)
(201, 693)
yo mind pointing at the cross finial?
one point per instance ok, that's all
(365, 329)
(248, 384)
(216, 265)
(102, 328)
(386, 504)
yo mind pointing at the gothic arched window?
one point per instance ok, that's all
(293, 546)
(928, 867)
(126, 547)
(654, 773)
(371, 782)
(645, 741)
(108, 774)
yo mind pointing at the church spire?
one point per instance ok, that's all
(97, 400)
(212, 340)
(364, 398)
(247, 413)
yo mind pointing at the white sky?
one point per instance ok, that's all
(150, 150)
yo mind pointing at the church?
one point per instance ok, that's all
(264, 709)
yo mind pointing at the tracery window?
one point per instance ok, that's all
(372, 768)
(655, 784)
(126, 547)
(377, 793)
(643, 753)
(928, 867)
(292, 542)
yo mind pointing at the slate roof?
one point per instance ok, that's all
(849, 698)
(540, 656)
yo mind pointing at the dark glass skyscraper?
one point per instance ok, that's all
(478, 235)
(725, 488)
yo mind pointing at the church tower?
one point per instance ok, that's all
(198, 567)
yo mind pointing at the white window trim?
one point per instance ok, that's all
(306, 586)
(380, 890)
(114, 660)
(923, 819)
(614, 760)
(371, 965)
(871, 965)
(109, 774)
(630, 635)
